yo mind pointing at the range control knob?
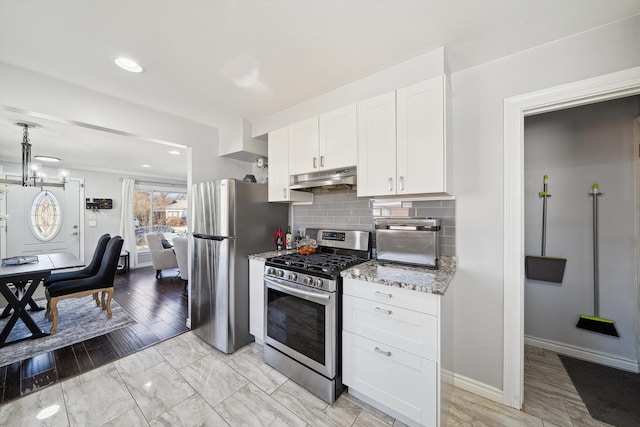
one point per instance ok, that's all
(308, 280)
(271, 270)
(318, 283)
(293, 276)
(279, 273)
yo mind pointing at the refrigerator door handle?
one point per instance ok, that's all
(207, 237)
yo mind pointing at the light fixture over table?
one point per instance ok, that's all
(32, 175)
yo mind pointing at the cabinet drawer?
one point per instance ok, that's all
(401, 381)
(391, 295)
(404, 329)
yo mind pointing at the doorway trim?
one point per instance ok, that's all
(589, 91)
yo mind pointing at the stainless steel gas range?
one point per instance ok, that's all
(303, 316)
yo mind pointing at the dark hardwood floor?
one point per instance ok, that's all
(158, 306)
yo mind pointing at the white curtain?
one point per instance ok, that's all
(127, 230)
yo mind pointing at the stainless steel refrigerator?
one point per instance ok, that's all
(231, 220)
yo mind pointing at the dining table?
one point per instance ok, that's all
(18, 284)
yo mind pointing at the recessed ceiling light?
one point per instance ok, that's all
(47, 158)
(146, 166)
(174, 152)
(129, 65)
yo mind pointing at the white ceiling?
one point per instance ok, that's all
(213, 61)
(82, 148)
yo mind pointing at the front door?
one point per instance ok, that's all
(43, 220)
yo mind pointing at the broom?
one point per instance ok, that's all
(596, 323)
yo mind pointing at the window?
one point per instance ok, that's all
(161, 211)
(46, 216)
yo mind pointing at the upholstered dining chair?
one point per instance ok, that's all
(88, 271)
(102, 282)
(161, 257)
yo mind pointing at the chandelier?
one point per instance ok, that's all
(32, 174)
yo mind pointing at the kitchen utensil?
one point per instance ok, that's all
(596, 323)
(544, 268)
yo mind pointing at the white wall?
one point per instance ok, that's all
(578, 147)
(477, 135)
(478, 127)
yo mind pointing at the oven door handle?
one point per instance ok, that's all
(311, 296)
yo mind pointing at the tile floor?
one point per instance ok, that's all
(158, 306)
(183, 382)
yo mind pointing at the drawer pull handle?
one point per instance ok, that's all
(386, 353)
(382, 310)
(382, 294)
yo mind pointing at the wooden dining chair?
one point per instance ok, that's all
(102, 282)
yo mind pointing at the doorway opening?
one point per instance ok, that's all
(611, 86)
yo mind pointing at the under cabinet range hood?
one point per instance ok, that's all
(338, 178)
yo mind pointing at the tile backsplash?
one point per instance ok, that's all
(343, 210)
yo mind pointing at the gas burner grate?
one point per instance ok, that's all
(319, 262)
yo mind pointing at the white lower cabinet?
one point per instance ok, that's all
(391, 349)
(399, 380)
(256, 299)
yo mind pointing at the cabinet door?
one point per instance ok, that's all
(420, 137)
(303, 147)
(256, 299)
(377, 146)
(401, 381)
(338, 136)
(278, 149)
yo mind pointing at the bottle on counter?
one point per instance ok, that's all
(297, 240)
(288, 240)
(279, 239)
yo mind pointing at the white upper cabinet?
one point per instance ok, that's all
(278, 149)
(304, 156)
(338, 139)
(377, 146)
(401, 141)
(420, 139)
(324, 143)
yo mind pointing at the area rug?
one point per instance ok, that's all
(611, 395)
(78, 320)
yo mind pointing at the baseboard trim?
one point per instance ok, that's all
(476, 387)
(188, 324)
(584, 354)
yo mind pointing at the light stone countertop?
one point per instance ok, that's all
(404, 276)
(263, 256)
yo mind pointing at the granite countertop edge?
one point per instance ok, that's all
(263, 256)
(414, 278)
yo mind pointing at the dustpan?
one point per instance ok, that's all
(544, 268)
